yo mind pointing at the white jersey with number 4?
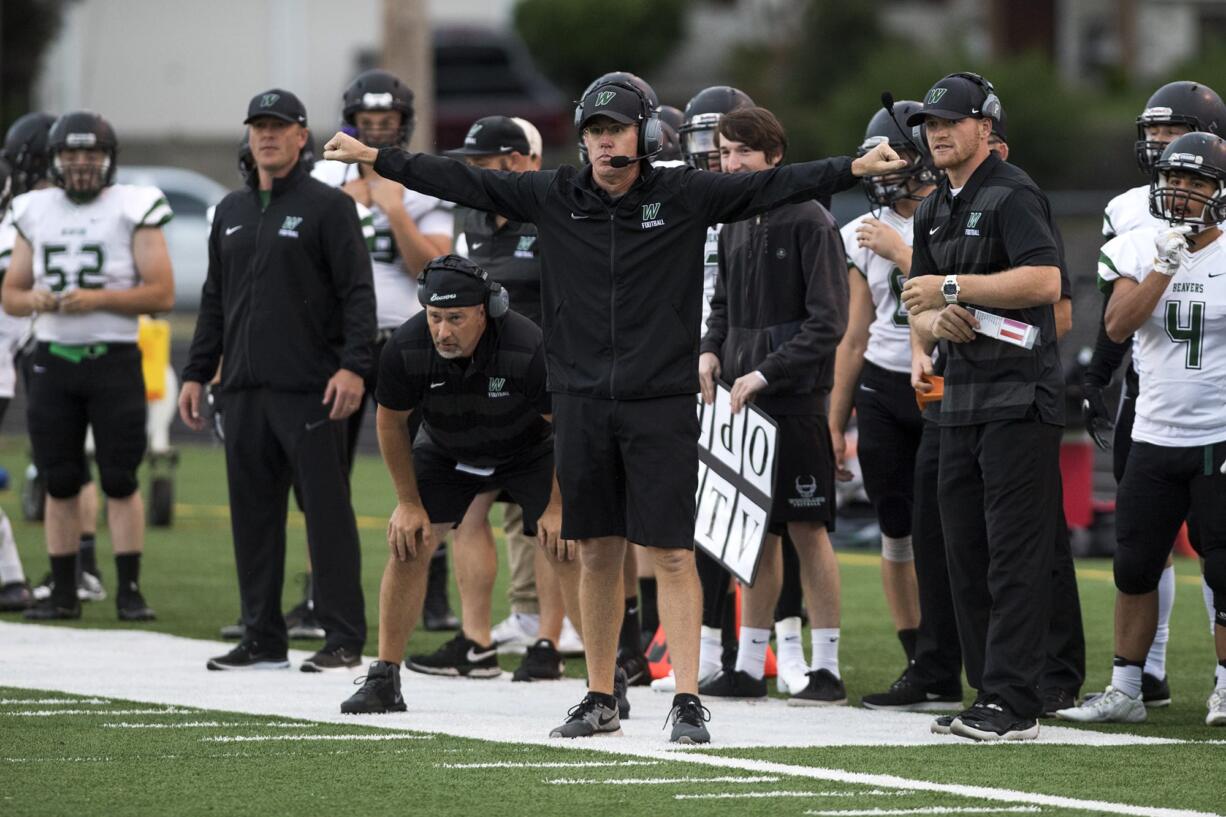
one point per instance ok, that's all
(889, 335)
(395, 286)
(87, 246)
(1181, 345)
(1129, 211)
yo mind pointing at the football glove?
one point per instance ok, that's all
(1094, 412)
(1170, 243)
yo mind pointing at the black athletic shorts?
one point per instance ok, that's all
(1163, 486)
(888, 427)
(447, 488)
(628, 468)
(106, 393)
(804, 473)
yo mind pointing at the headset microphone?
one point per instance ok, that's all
(887, 102)
(625, 161)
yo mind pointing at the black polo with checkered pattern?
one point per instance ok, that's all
(998, 221)
(485, 411)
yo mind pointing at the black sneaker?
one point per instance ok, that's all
(824, 689)
(300, 622)
(248, 655)
(15, 597)
(592, 717)
(941, 725)
(53, 609)
(638, 673)
(130, 606)
(332, 658)
(542, 662)
(904, 695)
(689, 719)
(992, 721)
(1155, 692)
(734, 684)
(620, 684)
(380, 692)
(459, 657)
(1055, 699)
(234, 632)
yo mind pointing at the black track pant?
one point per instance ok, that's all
(274, 438)
(999, 486)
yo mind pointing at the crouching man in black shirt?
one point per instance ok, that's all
(476, 372)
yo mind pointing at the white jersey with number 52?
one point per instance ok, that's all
(87, 246)
(1181, 345)
(889, 335)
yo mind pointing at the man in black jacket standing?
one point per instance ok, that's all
(289, 302)
(778, 314)
(621, 284)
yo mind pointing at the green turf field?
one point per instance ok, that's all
(108, 755)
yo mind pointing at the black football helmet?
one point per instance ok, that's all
(1178, 103)
(671, 120)
(702, 115)
(378, 90)
(1199, 153)
(907, 142)
(6, 185)
(82, 130)
(25, 148)
(246, 159)
(624, 77)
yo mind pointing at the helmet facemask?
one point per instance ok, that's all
(1149, 151)
(382, 137)
(698, 142)
(1173, 205)
(884, 191)
(81, 173)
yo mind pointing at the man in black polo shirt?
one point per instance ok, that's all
(476, 372)
(987, 231)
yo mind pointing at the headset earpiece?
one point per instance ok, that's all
(990, 107)
(499, 301)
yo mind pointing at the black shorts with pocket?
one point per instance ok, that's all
(628, 468)
(804, 472)
(447, 487)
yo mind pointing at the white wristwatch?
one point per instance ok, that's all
(950, 289)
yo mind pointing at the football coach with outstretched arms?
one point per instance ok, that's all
(621, 287)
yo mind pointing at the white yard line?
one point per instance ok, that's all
(49, 713)
(169, 670)
(764, 795)
(266, 738)
(54, 702)
(561, 764)
(208, 725)
(655, 781)
(927, 810)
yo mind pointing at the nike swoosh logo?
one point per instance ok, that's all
(232, 230)
(933, 230)
(436, 385)
(756, 641)
(868, 389)
(1216, 274)
(606, 721)
(478, 245)
(316, 424)
(578, 218)
(39, 369)
(474, 656)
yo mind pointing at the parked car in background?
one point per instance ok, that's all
(190, 195)
(484, 71)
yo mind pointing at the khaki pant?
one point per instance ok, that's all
(521, 554)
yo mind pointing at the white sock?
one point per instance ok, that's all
(710, 652)
(10, 562)
(788, 642)
(826, 649)
(1155, 662)
(1219, 676)
(1207, 592)
(751, 654)
(1127, 679)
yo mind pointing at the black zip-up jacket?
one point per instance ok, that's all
(288, 298)
(780, 305)
(621, 281)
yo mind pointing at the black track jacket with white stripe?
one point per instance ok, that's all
(621, 281)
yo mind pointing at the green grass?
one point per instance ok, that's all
(75, 765)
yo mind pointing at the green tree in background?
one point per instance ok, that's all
(27, 28)
(575, 41)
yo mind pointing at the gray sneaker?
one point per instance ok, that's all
(590, 718)
(620, 683)
(1113, 706)
(689, 718)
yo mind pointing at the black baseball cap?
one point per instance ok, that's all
(953, 98)
(452, 280)
(617, 102)
(278, 104)
(492, 136)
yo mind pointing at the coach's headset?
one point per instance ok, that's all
(497, 299)
(990, 107)
(651, 130)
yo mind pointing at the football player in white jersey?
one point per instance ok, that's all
(410, 229)
(1171, 111)
(89, 258)
(1168, 287)
(873, 364)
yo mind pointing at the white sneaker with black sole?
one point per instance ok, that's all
(516, 633)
